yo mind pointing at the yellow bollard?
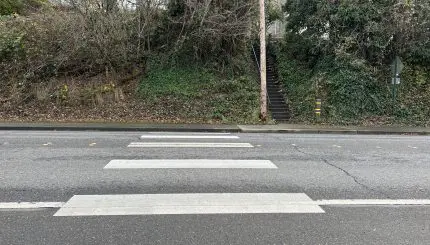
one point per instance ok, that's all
(318, 110)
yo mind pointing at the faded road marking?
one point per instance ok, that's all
(206, 203)
(190, 145)
(190, 163)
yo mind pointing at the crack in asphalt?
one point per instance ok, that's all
(298, 149)
(354, 178)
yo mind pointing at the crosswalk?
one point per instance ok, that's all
(188, 203)
(151, 151)
(206, 203)
(189, 144)
(190, 163)
(189, 137)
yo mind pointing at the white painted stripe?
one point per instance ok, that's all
(190, 145)
(219, 203)
(200, 204)
(189, 137)
(30, 205)
(187, 133)
(190, 163)
(373, 202)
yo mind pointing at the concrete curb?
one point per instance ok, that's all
(307, 129)
(122, 128)
(300, 131)
(393, 132)
(348, 132)
(294, 129)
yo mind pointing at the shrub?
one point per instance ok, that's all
(210, 31)
(55, 43)
(87, 38)
(8, 7)
(349, 90)
(414, 96)
(352, 93)
(341, 51)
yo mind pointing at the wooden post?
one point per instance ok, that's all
(263, 99)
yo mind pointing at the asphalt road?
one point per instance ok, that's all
(55, 166)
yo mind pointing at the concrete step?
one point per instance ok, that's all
(273, 86)
(280, 117)
(286, 112)
(278, 109)
(276, 96)
(277, 105)
(277, 101)
(273, 97)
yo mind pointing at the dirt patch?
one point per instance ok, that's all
(95, 99)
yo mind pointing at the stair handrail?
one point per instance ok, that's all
(259, 71)
(256, 59)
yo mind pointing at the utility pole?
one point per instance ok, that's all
(263, 78)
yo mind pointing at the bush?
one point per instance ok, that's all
(90, 39)
(81, 40)
(349, 90)
(11, 43)
(55, 43)
(8, 7)
(341, 51)
(414, 96)
(352, 93)
(210, 31)
(301, 90)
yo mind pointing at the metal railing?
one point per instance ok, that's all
(256, 59)
(259, 72)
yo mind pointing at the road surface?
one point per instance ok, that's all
(197, 188)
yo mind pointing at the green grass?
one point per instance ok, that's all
(199, 95)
